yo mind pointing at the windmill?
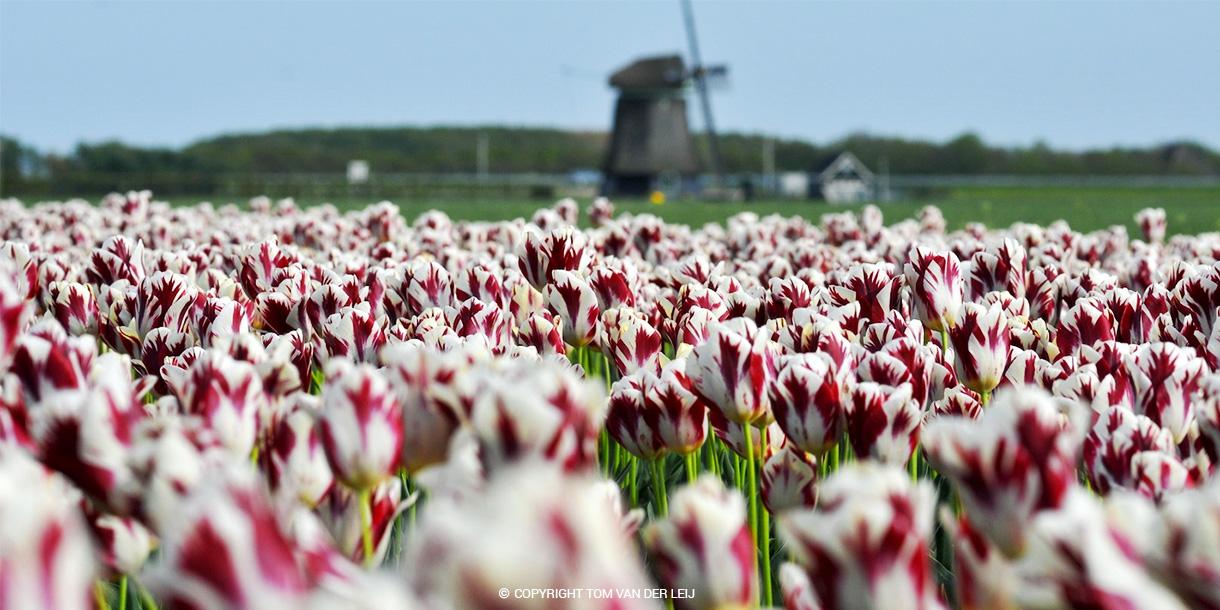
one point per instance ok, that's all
(651, 145)
(703, 77)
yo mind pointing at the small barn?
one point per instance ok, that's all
(842, 178)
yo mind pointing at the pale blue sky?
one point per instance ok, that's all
(1074, 74)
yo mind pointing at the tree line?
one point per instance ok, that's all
(206, 166)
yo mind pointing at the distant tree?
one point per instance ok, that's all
(203, 165)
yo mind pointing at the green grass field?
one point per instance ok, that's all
(1189, 210)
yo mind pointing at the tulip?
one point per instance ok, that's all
(875, 287)
(704, 544)
(935, 279)
(556, 421)
(866, 545)
(680, 417)
(563, 249)
(421, 285)
(1086, 323)
(634, 345)
(427, 385)
(293, 459)
(1014, 461)
(601, 212)
(532, 527)
(117, 259)
(481, 321)
(692, 329)
(883, 422)
(360, 425)
(629, 422)
(227, 550)
(49, 363)
(14, 311)
(116, 305)
(1001, 267)
(958, 402)
(1164, 377)
(1158, 475)
(786, 295)
(342, 514)
(217, 320)
(1077, 558)
(353, 333)
(525, 301)
(980, 347)
(160, 345)
(807, 402)
(75, 308)
(789, 480)
(1044, 292)
(616, 283)
(1022, 368)
(226, 394)
(985, 579)
(163, 300)
(47, 558)
(277, 311)
(572, 299)
(1187, 535)
(86, 433)
(124, 543)
(733, 369)
(314, 311)
(797, 590)
(895, 326)
(1111, 446)
(543, 332)
(1152, 224)
(901, 361)
(481, 283)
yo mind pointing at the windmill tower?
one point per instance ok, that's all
(651, 143)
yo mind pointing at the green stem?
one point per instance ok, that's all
(660, 501)
(123, 592)
(632, 482)
(603, 452)
(985, 397)
(406, 492)
(366, 526)
(99, 595)
(712, 458)
(146, 598)
(913, 464)
(764, 531)
(751, 476)
(692, 468)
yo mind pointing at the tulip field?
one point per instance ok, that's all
(208, 408)
(1189, 209)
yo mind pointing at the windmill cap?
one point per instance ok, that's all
(660, 72)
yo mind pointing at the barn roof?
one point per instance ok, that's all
(834, 164)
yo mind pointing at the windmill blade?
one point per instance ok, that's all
(700, 77)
